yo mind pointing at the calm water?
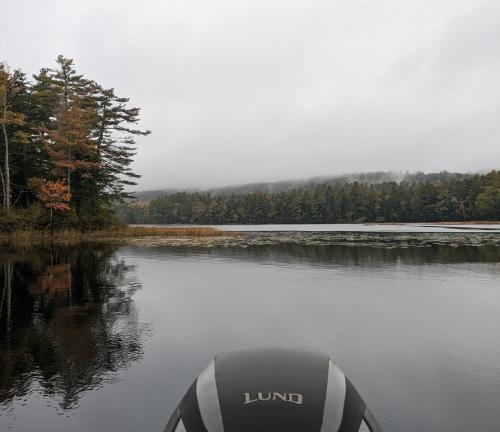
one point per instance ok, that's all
(359, 227)
(371, 228)
(108, 339)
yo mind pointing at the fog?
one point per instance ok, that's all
(241, 91)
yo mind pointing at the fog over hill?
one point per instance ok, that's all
(286, 185)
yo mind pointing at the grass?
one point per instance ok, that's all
(68, 237)
(146, 231)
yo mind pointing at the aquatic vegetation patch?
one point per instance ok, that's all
(69, 237)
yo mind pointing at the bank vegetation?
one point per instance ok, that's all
(120, 233)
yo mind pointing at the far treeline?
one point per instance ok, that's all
(444, 198)
(66, 145)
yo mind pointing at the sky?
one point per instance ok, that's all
(241, 91)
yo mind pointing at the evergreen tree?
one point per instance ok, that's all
(65, 135)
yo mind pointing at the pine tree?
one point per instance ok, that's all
(63, 128)
(69, 146)
(114, 134)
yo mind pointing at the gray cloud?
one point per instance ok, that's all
(240, 91)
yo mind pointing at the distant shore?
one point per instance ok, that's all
(469, 223)
(441, 223)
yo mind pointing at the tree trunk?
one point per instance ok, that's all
(103, 124)
(7, 192)
(69, 172)
(7, 294)
(4, 289)
(3, 186)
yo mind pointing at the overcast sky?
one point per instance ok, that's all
(239, 91)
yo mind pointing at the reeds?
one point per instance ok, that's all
(152, 231)
(69, 237)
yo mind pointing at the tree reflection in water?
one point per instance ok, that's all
(68, 322)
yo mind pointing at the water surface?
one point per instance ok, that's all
(109, 338)
(367, 228)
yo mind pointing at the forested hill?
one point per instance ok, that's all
(278, 186)
(412, 198)
(307, 183)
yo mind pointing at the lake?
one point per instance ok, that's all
(369, 227)
(106, 337)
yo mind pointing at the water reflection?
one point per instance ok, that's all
(337, 255)
(67, 320)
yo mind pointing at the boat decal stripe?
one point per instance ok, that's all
(180, 427)
(190, 412)
(173, 421)
(208, 400)
(364, 427)
(334, 399)
(371, 421)
(354, 409)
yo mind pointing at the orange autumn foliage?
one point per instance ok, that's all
(70, 147)
(53, 194)
(55, 279)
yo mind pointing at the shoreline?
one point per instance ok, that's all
(438, 223)
(70, 237)
(203, 236)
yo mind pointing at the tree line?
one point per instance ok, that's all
(66, 145)
(459, 198)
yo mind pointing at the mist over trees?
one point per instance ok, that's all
(307, 183)
(66, 146)
(417, 198)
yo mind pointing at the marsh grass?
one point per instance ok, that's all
(70, 237)
(151, 231)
